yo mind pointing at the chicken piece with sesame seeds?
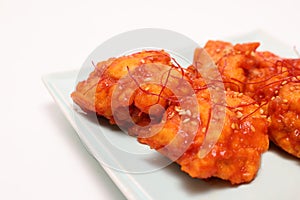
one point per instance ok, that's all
(237, 152)
(232, 60)
(257, 74)
(265, 78)
(284, 112)
(95, 94)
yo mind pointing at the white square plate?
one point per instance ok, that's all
(278, 177)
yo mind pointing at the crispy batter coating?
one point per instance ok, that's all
(263, 76)
(84, 95)
(232, 61)
(285, 111)
(95, 93)
(236, 155)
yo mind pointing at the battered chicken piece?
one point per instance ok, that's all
(95, 93)
(257, 74)
(235, 156)
(232, 60)
(284, 111)
(263, 76)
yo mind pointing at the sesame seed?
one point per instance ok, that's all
(252, 128)
(239, 108)
(273, 98)
(203, 130)
(269, 119)
(181, 112)
(285, 100)
(284, 82)
(178, 108)
(239, 114)
(261, 111)
(188, 112)
(171, 115)
(294, 79)
(186, 120)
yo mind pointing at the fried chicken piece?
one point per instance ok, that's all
(284, 111)
(265, 78)
(84, 94)
(262, 76)
(281, 90)
(95, 94)
(243, 69)
(235, 156)
(232, 60)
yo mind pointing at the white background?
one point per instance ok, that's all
(40, 155)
